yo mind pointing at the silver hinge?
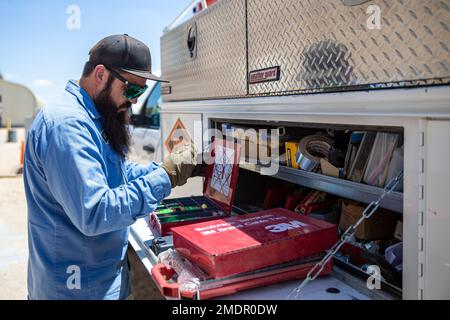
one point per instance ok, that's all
(422, 139)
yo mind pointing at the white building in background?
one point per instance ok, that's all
(17, 103)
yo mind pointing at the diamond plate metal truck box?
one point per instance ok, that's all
(348, 45)
(240, 48)
(238, 244)
(206, 56)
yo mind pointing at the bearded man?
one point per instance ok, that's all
(82, 193)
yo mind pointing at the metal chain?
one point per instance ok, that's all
(346, 236)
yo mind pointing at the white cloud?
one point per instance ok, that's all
(42, 83)
(45, 97)
(47, 94)
(9, 76)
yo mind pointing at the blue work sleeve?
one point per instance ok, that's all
(74, 168)
(135, 170)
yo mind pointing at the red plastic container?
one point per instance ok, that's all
(234, 245)
(275, 197)
(219, 186)
(292, 200)
(169, 287)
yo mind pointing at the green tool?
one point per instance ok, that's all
(180, 209)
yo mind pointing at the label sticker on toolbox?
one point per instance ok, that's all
(166, 90)
(285, 226)
(264, 75)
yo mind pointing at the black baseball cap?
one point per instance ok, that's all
(124, 53)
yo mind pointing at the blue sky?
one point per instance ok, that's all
(37, 48)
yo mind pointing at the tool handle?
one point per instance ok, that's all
(161, 275)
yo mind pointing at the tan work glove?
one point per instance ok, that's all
(180, 163)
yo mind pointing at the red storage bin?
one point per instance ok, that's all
(165, 280)
(238, 244)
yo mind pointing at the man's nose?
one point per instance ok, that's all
(134, 101)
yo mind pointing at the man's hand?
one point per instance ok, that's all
(203, 160)
(180, 164)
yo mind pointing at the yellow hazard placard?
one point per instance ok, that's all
(177, 135)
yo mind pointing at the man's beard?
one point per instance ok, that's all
(114, 122)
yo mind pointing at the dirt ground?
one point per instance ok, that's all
(10, 153)
(13, 239)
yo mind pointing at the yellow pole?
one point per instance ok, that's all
(8, 124)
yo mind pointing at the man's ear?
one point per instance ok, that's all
(100, 75)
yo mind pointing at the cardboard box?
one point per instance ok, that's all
(381, 225)
(238, 244)
(328, 169)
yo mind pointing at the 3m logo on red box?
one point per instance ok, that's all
(239, 244)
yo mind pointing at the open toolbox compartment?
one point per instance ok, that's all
(259, 191)
(181, 211)
(218, 193)
(379, 241)
(320, 177)
(320, 88)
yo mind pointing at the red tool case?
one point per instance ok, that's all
(238, 244)
(165, 279)
(218, 191)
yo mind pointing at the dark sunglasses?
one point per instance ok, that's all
(132, 90)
